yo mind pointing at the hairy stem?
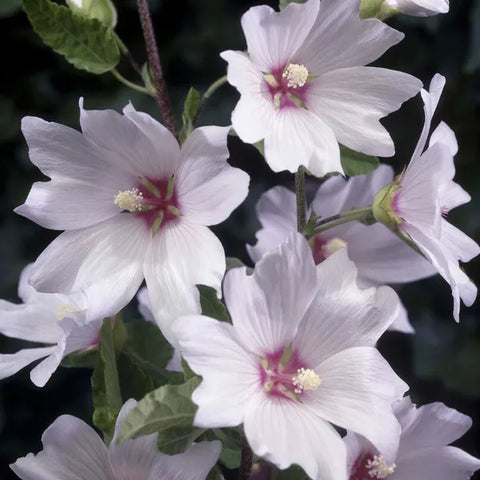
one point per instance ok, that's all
(246, 462)
(341, 218)
(300, 195)
(206, 96)
(161, 93)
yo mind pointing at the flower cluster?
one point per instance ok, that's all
(288, 358)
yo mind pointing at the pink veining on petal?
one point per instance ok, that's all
(396, 203)
(285, 92)
(159, 203)
(280, 378)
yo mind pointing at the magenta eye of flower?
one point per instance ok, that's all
(282, 374)
(288, 85)
(323, 248)
(368, 466)
(153, 200)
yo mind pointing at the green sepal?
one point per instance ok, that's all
(356, 163)
(282, 4)
(84, 42)
(370, 8)
(190, 111)
(86, 358)
(102, 10)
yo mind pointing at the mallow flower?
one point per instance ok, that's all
(73, 450)
(53, 319)
(424, 451)
(380, 256)
(420, 8)
(298, 357)
(415, 204)
(304, 86)
(134, 205)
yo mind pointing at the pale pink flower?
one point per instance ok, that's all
(56, 320)
(73, 450)
(298, 356)
(416, 203)
(420, 8)
(380, 256)
(424, 451)
(134, 205)
(304, 87)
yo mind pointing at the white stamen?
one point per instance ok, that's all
(129, 200)
(66, 309)
(297, 75)
(333, 245)
(378, 468)
(306, 379)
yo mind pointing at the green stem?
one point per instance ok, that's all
(124, 49)
(300, 196)
(130, 84)
(341, 218)
(206, 96)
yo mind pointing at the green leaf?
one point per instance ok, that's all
(107, 399)
(260, 146)
(81, 359)
(233, 262)
(282, 4)
(211, 305)
(84, 42)
(167, 410)
(231, 439)
(356, 163)
(148, 349)
(190, 110)
(292, 473)
(134, 382)
(370, 8)
(175, 440)
(231, 458)
(188, 373)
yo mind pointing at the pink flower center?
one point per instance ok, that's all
(288, 86)
(283, 374)
(369, 466)
(153, 200)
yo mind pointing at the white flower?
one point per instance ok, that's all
(417, 201)
(304, 88)
(298, 356)
(423, 452)
(420, 8)
(133, 205)
(73, 450)
(55, 319)
(380, 256)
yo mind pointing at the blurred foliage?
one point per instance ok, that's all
(440, 363)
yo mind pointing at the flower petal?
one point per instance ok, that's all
(181, 256)
(277, 213)
(267, 307)
(357, 390)
(342, 315)
(446, 463)
(339, 39)
(274, 37)
(71, 451)
(230, 373)
(104, 260)
(275, 427)
(208, 188)
(11, 363)
(299, 137)
(420, 8)
(351, 102)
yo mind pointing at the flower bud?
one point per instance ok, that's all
(102, 10)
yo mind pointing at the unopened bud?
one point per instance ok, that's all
(384, 206)
(102, 10)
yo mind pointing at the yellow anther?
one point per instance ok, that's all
(66, 309)
(378, 468)
(296, 75)
(306, 379)
(129, 200)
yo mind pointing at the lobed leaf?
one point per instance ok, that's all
(190, 110)
(356, 163)
(211, 305)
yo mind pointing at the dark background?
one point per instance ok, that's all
(440, 363)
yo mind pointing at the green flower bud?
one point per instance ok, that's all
(382, 207)
(102, 10)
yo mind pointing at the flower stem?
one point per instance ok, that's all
(246, 462)
(300, 195)
(341, 218)
(130, 84)
(124, 49)
(161, 93)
